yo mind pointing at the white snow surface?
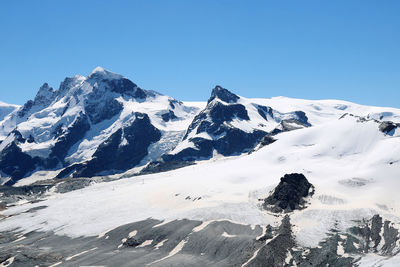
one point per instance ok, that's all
(5, 110)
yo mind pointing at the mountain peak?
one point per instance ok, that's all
(223, 94)
(102, 73)
(45, 94)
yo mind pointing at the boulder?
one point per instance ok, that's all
(289, 194)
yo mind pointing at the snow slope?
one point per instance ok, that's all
(5, 109)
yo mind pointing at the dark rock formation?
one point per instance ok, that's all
(25, 109)
(274, 252)
(289, 194)
(266, 140)
(369, 234)
(123, 150)
(265, 112)
(163, 166)
(68, 138)
(170, 115)
(387, 127)
(43, 98)
(105, 109)
(16, 163)
(223, 94)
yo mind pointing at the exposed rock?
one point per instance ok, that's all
(387, 127)
(25, 109)
(170, 115)
(67, 138)
(132, 242)
(377, 237)
(275, 251)
(134, 137)
(190, 243)
(265, 112)
(44, 96)
(163, 166)
(390, 236)
(215, 121)
(16, 163)
(376, 226)
(101, 110)
(223, 94)
(289, 194)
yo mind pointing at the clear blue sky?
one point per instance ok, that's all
(339, 49)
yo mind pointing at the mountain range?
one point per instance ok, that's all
(76, 128)
(103, 172)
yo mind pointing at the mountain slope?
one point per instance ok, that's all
(5, 109)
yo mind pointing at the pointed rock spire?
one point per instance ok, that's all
(223, 94)
(45, 95)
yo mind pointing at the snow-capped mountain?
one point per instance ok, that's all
(231, 125)
(85, 121)
(270, 182)
(73, 130)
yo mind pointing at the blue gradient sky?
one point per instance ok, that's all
(306, 49)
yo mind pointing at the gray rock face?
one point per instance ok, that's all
(274, 252)
(176, 243)
(194, 243)
(377, 237)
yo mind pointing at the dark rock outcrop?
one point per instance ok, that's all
(289, 193)
(105, 109)
(387, 127)
(123, 150)
(68, 138)
(24, 110)
(14, 162)
(169, 116)
(163, 166)
(274, 252)
(376, 236)
(223, 94)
